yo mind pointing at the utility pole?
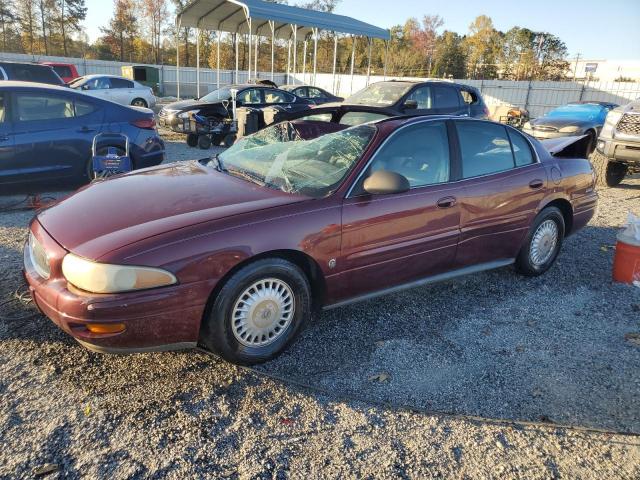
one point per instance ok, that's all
(575, 68)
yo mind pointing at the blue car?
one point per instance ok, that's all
(573, 119)
(46, 133)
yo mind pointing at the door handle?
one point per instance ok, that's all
(536, 184)
(4, 138)
(446, 202)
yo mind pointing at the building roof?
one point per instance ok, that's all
(230, 16)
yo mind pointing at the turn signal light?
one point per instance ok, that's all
(105, 327)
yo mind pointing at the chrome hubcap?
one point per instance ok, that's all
(544, 242)
(262, 312)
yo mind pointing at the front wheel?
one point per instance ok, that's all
(608, 174)
(543, 242)
(258, 312)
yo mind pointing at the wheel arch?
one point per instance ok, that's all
(305, 262)
(565, 208)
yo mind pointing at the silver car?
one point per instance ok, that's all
(116, 89)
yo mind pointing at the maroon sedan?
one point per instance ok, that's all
(236, 253)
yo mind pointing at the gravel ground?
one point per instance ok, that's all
(363, 393)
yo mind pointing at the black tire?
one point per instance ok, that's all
(216, 139)
(608, 173)
(204, 142)
(139, 102)
(525, 263)
(192, 140)
(89, 174)
(229, 140)
(217, 333)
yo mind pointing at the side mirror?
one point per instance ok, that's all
(85, 87)
(411, 105)
(384, 182)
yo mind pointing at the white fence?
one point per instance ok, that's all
(537, 97)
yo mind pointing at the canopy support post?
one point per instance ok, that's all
(295, 51)
(353, 59)
(304, 62)
(249, 37)
(369, 61)
(178, 57)
(198, 62)
(335, 58)
(272, 24)
(288, 60)
(218, 33)
(386, 57)
(237, 55)
(255, 56)
(315, 55)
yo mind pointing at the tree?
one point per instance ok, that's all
(28, 21)
(70, 14)
(122, 28)
(8, 24)
(45, 8)
(483, 48)
(552, 56)
(533, 55)
(450, 59)
(156, 14)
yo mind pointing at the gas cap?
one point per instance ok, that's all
(556, 175)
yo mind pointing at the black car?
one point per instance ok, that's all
(422, 98)
(314, 94)
(29, 72)
(217, 105)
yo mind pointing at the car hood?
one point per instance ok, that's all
(111, 214)
(560, 122)
(182, 105)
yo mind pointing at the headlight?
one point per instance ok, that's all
(38, 257)
(613, 117)
(569, 129)
(188, 114)
(527, 125)
(104, 278)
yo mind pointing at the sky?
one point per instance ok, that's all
(594, 29)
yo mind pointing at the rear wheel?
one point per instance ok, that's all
(258, 312)
(543, 242)
(204, 142)
(229, 140)
(608, 173)
(192, 140)
(140, 102)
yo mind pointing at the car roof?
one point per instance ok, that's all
(20, 84)
(440, 81)
(103, 75)
(3, 62)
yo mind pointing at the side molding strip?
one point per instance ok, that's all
(442, 277)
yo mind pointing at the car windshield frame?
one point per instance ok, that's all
(278, 158)
(376, 95)
(217, 95)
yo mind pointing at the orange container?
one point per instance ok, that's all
(626, 264)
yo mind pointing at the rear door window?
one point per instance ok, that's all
(277, 96)
(250, 96)
(84, 108)
(485, 148)
(121, 83)
(445, 97)
(39, 107)
(63, 70)
(3, 107)
(469, 97)
(98, 83)
(521, 149)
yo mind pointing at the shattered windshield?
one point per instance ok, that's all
(217, 95)
(277, 157)
(382, 94)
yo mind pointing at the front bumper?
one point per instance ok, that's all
(155, 320)
(620, 150)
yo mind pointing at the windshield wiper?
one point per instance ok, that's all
(247, 175)
(218, 164)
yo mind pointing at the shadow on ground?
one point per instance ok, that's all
(491, 345)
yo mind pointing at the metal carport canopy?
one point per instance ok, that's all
(231, 16)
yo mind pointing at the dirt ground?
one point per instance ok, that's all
(491, 376)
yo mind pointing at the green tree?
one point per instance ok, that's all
(70, 14)
(28, 21)
(450, 59)
(9, 23)
(483, 46)
(122, 29)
